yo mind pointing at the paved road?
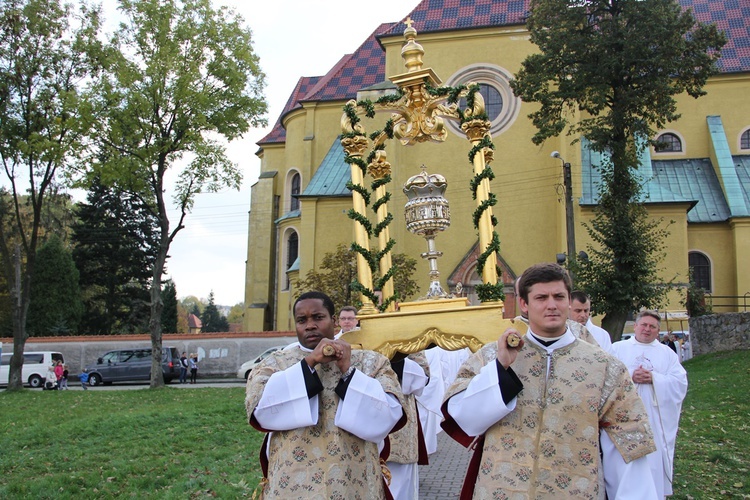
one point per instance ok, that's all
(442, 479)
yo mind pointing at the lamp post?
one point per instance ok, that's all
(568, 183)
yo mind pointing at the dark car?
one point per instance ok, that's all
(125, 365)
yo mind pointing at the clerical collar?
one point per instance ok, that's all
(546, 342)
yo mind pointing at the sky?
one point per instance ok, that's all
(292, 38)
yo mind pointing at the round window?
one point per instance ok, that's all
(500, 104)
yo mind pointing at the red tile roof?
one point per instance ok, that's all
(278, 133)
(366, 66)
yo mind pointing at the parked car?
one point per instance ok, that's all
(248, 366)
(125, 365)
(34, 370)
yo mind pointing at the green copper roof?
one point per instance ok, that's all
(331, 176)
(675, 181)
(736, 193)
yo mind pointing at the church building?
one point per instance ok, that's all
(698, 185)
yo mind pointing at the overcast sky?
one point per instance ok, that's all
(293, 38)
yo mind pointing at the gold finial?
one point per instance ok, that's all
(412, 52)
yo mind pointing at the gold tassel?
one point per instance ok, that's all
(386, 472)
(261, 486)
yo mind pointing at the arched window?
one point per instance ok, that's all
(700, 269)
(745, 139)
(668, 143)
(294, 191)
(292, 252)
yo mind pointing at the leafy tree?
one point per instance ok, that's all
(169, 313)
(236, 313)
(44, 58)
(212, 319)
(178, 77)
(115, 248)
(608, 70)
(182, 319)
(55, 307)
(695, 300)
(339, 268)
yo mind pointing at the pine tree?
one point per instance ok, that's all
(55, 307)
(169, 313)
(212, 319)
(115, 241)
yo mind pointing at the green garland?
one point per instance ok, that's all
(486, 292)
(487, 173)
(486, 142)
(360, 189)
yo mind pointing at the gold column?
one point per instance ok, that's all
(378, 169)
(475, 131)
(355, 147)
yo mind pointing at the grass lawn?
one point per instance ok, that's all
(165, 443)
(173, 443)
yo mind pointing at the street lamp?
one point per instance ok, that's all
(568, 183)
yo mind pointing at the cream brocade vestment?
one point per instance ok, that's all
(547, 446)
(322, 460)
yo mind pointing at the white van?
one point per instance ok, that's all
(35, 366)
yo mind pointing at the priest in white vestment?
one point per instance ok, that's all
(533, 412)
(408, 446)
(662, 384)
(580, 312)
(325, 409)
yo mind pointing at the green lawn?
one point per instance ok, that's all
(178, 443)
(166, 443)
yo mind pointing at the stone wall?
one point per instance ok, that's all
(219, 354)
(720, 332)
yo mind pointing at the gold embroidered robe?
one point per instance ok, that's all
(548, 446)
(322, 461)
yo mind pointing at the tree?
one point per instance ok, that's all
(55, 307)
(608, 71)
(44, 60)
(339, 268)
(179, 76)
(169, 313)
(115, 246)
(212, 319)
(236, 313)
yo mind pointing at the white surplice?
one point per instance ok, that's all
(600, 335)
(662, 399)
(405, 476)
(368, 411)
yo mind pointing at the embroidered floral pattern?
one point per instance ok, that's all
(320, 460)
(549, 444)
(563, 481)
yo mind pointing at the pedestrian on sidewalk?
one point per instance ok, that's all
(84, 378)
(193, 368)
(64, 379)
(183, 368)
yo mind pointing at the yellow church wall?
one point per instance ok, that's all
(741, 244)
(260, 254)
(715, 241)
(528, 183)
(724, 94)
(673, 218)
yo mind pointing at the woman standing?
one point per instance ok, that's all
(59, 375)
(193, 368)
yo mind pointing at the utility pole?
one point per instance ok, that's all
(569, 223)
